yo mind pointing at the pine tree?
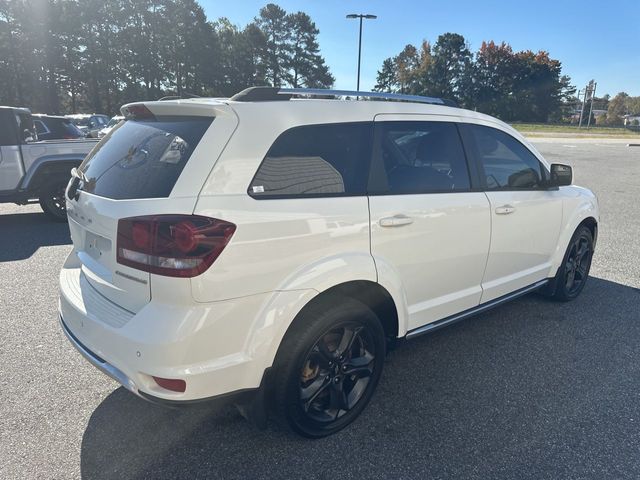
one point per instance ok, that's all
(273, 23)
(306, 66)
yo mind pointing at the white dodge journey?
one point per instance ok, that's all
(268, 249)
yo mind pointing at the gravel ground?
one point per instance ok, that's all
(532, 389)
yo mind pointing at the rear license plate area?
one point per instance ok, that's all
(96, 246)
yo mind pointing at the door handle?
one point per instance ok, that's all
(395, 221)
(505, 210)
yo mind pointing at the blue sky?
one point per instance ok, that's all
(592, 39)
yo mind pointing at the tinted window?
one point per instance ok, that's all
(70, 130)
(52, 128)
(423, 157)
(507, 163)
(316, 160)
(142, 159)
(25, 122)
(40, 128)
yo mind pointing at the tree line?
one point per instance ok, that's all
(60, 56)
(617, 108)
(514, 86)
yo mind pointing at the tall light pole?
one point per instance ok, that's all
(360, 16)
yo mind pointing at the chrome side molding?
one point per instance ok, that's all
(430, 327)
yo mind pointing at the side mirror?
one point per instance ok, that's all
(561, 175)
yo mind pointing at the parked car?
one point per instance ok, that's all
(89, 124)
(50, 127)
(33, 171)
(112, 123)
(269, 248)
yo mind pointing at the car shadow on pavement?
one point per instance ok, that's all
(530, 389)
(24, 233)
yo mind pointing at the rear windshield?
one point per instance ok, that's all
(142, 159)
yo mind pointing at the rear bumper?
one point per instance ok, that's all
(102, 365)
(201, 344)
(250, 398)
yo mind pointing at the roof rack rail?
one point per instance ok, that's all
(263, 94)
(259, 94)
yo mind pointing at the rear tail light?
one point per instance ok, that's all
(172, 245)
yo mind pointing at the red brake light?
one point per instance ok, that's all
(172, 245)
(185, 235)
(141, 235)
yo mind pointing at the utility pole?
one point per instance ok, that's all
(593, 94)
(584, 99)
(361, 17)
(588, 96)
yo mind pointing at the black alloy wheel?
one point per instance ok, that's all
(577, 266)
(336, 372)
(573, 273)
(328, 367)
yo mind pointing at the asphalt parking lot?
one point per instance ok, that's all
(532, 389)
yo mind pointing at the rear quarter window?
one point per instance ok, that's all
(316, 161)
(142, 159)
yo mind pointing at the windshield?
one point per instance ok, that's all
(113, 122)
(142, 159)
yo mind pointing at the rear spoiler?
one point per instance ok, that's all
(176, 108)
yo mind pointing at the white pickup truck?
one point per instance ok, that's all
(32, 170)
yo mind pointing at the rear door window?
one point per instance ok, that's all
(142, 159)
(316, 160)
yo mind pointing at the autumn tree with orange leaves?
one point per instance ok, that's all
(514, 86)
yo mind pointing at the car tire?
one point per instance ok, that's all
(574, 271)
(53, 201)
(328, 367)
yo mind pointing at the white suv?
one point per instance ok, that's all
(268, 248)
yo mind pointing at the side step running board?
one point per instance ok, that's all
(475, 310)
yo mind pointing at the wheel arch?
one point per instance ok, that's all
(371, 294)
(592, 224)
(286, 309)
(583, 218)
(47, 167)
